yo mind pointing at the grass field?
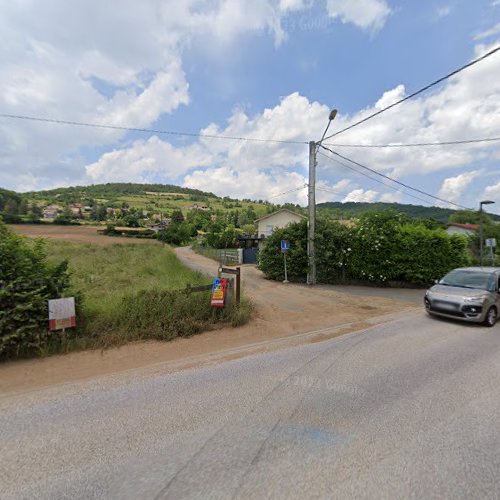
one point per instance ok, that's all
(172, 202)
(130, 292)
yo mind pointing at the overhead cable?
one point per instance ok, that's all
(399, 190)
(146, 130)
(415, 144)
(394, 180)
(414, 94)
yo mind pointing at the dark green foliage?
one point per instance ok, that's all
(131, 220)
(65, 218)
(383, 247)
(27, 281)
(115, 189)
(354, 209)
(200, 219)
(177, 217)
(271, 258)
(220, 237)
(11, 206)
(334, 250)
(176, 234)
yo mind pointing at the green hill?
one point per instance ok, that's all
(116, 189)
(352, 209)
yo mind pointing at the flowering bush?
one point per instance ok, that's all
(380, 247)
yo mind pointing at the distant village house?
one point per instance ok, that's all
(465, 229)
(277, 220)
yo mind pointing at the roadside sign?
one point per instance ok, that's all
(236, 272)
(285, 245)
(491, 242)
(62, 313)
(218, 292)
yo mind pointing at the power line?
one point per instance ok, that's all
(399, 190)
(416, 144)
(145, 130)
(393, 180)
(332, 191)
(423, 89)
(287, 192)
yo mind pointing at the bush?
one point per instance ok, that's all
(27, 281)
(382, 247)
(176, 234)
(271, 257)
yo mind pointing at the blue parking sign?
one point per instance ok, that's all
(285, 245)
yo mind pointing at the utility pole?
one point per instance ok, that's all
(485, 202)
(311, 221)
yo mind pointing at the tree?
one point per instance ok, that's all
(177, 217)
(131, 220)
(176, 234)
(468, 217)
(64, 218)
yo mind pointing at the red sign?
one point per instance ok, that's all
(219, 292)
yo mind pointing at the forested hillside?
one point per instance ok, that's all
(352, 209)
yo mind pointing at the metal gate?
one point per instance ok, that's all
(250, 255)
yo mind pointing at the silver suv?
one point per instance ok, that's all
(468, 293)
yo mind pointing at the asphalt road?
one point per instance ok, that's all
(407, 409)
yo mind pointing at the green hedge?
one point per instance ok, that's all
(380, 248)
(27, 281)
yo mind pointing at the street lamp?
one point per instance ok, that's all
(311, 221)
(485, 202)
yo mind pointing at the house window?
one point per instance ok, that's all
(269, 230)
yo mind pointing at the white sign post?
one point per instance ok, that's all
(285, 246)
(62, 314)
(491, 243)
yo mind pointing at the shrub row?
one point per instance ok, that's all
(382, 247)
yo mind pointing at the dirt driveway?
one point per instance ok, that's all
(285, 315)
(286, 309)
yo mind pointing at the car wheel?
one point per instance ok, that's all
(491, 316)
(427, 304)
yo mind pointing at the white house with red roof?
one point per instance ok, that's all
(465, 229)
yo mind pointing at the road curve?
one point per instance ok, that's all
(405, 409)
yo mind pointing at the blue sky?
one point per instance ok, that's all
(261, 69)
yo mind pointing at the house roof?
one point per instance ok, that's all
(281, 210)
(471, 227)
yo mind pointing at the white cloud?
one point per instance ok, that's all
(453, 187)
(467, 106)
(391, 197)
(91, 62)
(146, 160)
(69, 63)
(443, 11)
(390, 97)
(366, 14)
(495, 30)
(360, 195)
(246, 169)
(250, 184)
(294, 5)
(492, 192)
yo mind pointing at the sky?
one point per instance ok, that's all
(261, 69)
